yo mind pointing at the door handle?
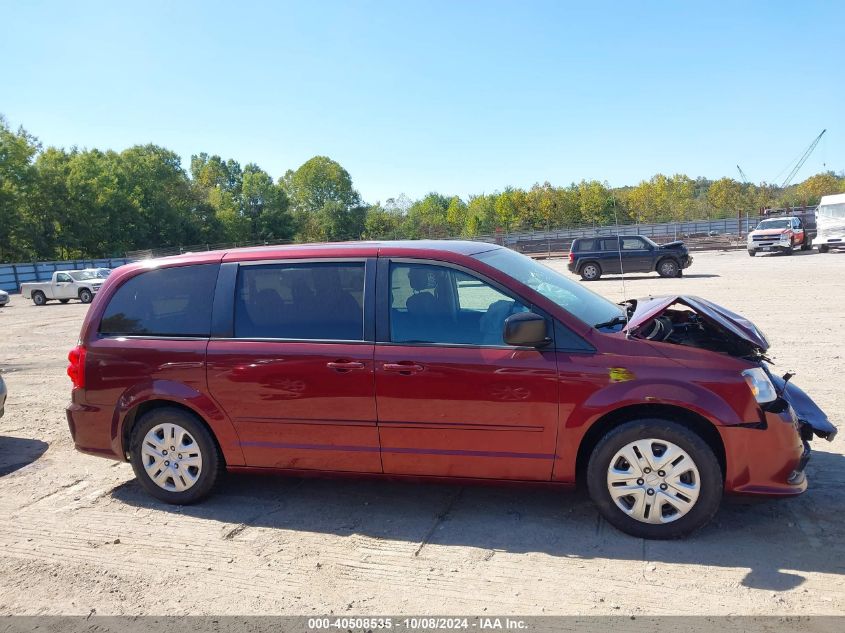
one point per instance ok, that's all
(404, 367)
(345, 365)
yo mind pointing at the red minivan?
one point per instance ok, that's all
(439, 359)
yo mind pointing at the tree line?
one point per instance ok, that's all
(63, 204)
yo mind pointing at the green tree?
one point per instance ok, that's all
(17, 182)
(265, 205)
(811, 190)
(727, 197)
(383, 223)
(325, 205)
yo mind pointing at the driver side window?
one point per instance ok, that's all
(437, 304)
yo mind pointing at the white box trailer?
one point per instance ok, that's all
(830, 223)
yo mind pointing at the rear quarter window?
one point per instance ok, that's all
(163, 302)
(585, 245)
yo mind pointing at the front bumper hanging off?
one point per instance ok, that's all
(809, 418)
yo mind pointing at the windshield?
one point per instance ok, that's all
(773, 224)
(568, 294)
(83, 275)
(832, 211)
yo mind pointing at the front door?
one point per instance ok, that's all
(454, 399)
(64, 287)
(637, 256)
(296, 376)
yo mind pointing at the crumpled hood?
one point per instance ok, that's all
(676, 245)
(731, 322)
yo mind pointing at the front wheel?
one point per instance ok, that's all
(823, 248)
(668, 268)
(86, 296)
(806, 245)
(752, 253)
(655, 479)
(174, 456)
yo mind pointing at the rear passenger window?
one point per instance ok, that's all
(311, 301)
(609, 244)
(163, 302)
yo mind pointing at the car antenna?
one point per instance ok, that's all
(621, 267)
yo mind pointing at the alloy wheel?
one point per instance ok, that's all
(171, 457)
(653, 481)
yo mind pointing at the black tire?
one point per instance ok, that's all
(86, 296)
(709, 471)
(39, 298)
(590, 271)
(63, 300)
(823, 248)
(789, 250)
(752, 253)
(212, 460)
(807, 244)
(668, 268)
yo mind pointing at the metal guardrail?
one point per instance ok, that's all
(13, 275)
(727, 233)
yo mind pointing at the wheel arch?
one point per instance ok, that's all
(140, 410)
(227, 443)
(695, 422)
(663, 258)
(589, 261)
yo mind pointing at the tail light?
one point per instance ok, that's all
(571, 257)
(76, 366)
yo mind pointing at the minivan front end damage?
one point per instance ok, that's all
(695, 322)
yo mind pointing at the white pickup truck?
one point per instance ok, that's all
(64, 286)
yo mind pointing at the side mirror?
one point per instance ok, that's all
(526, 329)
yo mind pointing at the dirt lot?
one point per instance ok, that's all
(78, 535)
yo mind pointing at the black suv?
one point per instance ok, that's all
(592, 257)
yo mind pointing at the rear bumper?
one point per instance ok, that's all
(92, 430)
(830, 242)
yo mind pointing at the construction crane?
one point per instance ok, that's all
(742, 177)
(801, 160)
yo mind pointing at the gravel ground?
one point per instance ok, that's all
(78, 535)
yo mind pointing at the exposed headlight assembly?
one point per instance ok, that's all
(760, 385)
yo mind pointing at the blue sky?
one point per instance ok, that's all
(458, 97)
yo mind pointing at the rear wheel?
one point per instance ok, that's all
(654, 478)
(174, 456)
(590, 271)
(668, 268)
(86, 296)
(39, 298)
